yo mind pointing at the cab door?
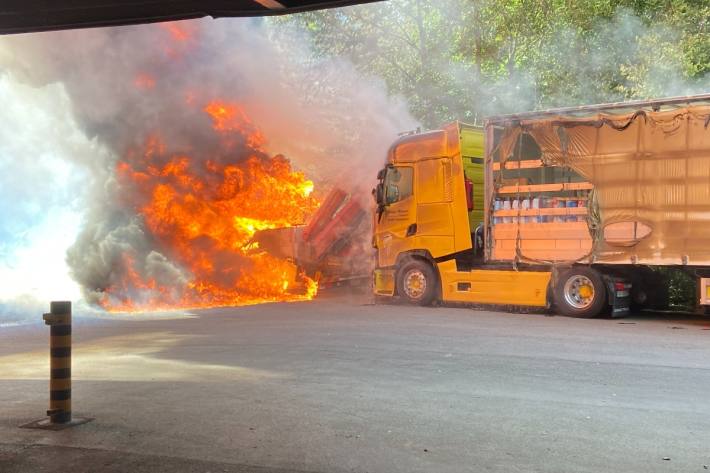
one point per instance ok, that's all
(396, 218)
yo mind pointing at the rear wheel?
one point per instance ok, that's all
(580, 292)
(416, 282)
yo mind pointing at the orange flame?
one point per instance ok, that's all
(203, 214)
(231, 117)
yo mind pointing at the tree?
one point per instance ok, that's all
(463, 59)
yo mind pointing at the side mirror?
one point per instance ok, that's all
(381, 174)
(379, 193)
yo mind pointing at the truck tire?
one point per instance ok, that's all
(580, 292)
(417, 282)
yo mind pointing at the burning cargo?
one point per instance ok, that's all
(202, 213)
(333, 247)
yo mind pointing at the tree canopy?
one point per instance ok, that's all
(464, 59)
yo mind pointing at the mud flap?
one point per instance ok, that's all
(383, 282)
(619, 294)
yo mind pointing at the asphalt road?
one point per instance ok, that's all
(341, 385)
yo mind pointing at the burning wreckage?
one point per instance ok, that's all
(235, 223)
(332, 247)
(188, 203)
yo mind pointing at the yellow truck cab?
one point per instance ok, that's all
(570, 207)
(430, 216)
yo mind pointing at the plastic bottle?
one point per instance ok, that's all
(506, 206)
(536, 205)
(581, 203)
(545, 203)
(571, 204)
(525, 205)
(559, 204)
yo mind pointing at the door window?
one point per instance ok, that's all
(398, 184)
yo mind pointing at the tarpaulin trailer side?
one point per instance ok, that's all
(648, 164)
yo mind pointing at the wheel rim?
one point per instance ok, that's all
(579, 292)
(415, 284)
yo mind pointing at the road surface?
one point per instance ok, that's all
(341, 385)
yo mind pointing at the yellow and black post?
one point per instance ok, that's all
(59, 412)
(59, 321)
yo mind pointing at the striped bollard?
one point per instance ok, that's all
(59, 412)
(59, 321)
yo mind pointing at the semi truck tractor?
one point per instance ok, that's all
(573, 208)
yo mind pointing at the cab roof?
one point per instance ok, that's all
(415, 146)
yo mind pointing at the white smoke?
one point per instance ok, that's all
(42, 192)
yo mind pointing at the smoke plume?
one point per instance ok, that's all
(125, 85)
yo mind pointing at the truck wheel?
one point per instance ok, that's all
(416, 283)
(580, 292)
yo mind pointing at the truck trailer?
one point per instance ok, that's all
(575, 208)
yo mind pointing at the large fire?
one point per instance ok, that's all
(202, 213)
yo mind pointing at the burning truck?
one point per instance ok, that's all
(200, 142)
(189, 241)
(238, 226)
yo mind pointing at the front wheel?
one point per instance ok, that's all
(416, 283)
(580, 292)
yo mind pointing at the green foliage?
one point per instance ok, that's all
(682, 287)
(464, 59)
